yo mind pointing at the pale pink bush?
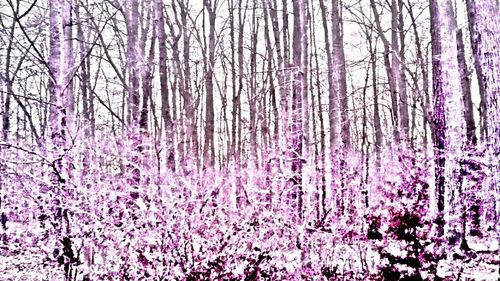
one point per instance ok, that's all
(96, 222)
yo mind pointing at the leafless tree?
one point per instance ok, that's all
(448, 108)
(209, 147)
(485, 38)
(299, 93)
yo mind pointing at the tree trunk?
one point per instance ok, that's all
(234, 98)
(59, 65)
(208, 147)
(485, 37)
(391, 73)
(287, 81)
(466, 91)
(252, 94)
(133, 63)
(339, 68)
(147, 73)
(447, 107)
(164, 93)
(270, 70)
(281, 69)
(321, 180)
(377, 126)
(299, 91)
(403, 95)
(425, 104)
(333, 113)
(68, 60)
(8, 84)
(84, 75)
(187, 93)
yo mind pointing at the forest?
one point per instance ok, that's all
(249, 140)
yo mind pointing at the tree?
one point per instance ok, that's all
(377, 127)
(403, 95)
(60, 91)
(85, 86)
(163, 73)
(209, 147)
(448, 107)
(320, 154)
(132, 20)
(5, 79)
(147, 71)
(190, 103)
(60, 63)
(390, 67)
(253, 97)
(423, 64)
(339, 72)
(333, 113)
(270, 76)
(485, 39)
(299, 93)
(466, 90)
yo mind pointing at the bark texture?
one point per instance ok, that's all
(448, 108)
(299, 91)
(485, 36)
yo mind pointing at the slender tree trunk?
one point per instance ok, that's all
(299, 91)
(147, 73)
(333, 99)
(470, 125)
(59, 86)
(234, 98)
(177, 132)
(270, 70)
(253, 90)
(365, 143)
(187, 94)
(8, 84)
(316, 194)
(242, 13)
(377, 126)
(56, 110)
(403, 95)
(84, 74)
(322, 146)
(6, 110)
(287, 83)
(163, 71)
(339, 68)
(424, 104)
(281, 68)
(133, 62)
(208, 147)
(68, 57)
(60, 64)
(396, 70)
(319, 148)
(391, 72)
